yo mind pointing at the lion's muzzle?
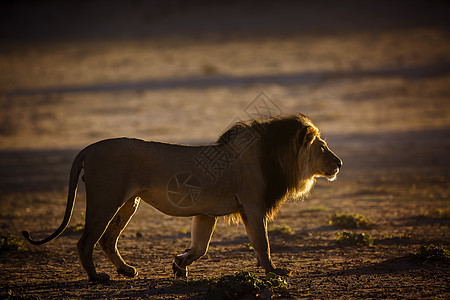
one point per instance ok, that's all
(333, 174)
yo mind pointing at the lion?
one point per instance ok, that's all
(247, 174)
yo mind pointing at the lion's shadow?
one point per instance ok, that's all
(389, 266)
(112, 289)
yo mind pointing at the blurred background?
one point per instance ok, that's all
(369, 74)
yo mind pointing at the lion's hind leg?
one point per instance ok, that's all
(201, 232)
(111, 236)
(98, 217)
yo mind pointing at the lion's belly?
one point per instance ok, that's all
(190, 202)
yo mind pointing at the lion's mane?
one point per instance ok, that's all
(284, 154)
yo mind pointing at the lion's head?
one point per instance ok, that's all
(292, 155)
(323, 161)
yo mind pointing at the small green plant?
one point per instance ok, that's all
(274, 281)
(441, 213)
(353, 239)
(281, 229)
(315, 209)
(349, 221)
(75, 228)
(432, 253)
(10, 242)
(244, 284)
(249, 246)
(79, 226)
(10, 294)
(13, 214)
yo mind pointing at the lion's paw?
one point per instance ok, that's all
(177, 270)
(129, 271)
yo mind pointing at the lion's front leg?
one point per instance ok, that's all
(256, 227)
(201, 232)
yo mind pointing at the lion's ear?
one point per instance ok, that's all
(309, 135)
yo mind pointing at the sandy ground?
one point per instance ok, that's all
(379, 94)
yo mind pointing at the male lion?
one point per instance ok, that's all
(248, 173)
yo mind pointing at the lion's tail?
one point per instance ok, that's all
(77, 165)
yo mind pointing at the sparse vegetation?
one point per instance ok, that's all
(243, 284)
(432, 253)
(13, 214)
(281, 229)
(349, 221)
(10, 242)
(11, 295)
(249, 246)
(353, 239)
(443, 213)
(75, 228)
(315, 209)
(78, 226)
(391, 236)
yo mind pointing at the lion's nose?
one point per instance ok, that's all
(339, 163)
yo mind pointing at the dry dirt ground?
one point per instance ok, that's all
(379, 90)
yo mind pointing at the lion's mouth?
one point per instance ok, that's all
(332, 175)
